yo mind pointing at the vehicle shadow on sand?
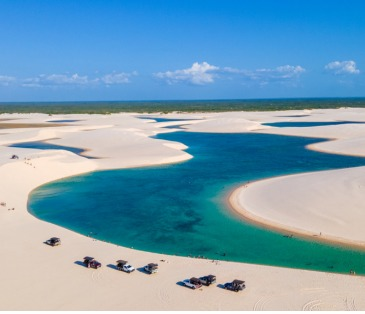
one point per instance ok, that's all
(142, 270)
(80, 263)
(112, 266)
(181, 284)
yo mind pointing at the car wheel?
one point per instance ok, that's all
(193, 288)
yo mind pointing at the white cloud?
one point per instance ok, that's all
(230, 70)
(6, 80)
(204, 73)
(283, 72)
(264, 76)
(43, 80)
(61, 79)
(290, 71)
(56, 80)
(342, 67)
(117, 78)
(32, 82)
(198, 74)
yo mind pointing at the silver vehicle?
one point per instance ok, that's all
(124, 266)
(193, 283)
(151, 268)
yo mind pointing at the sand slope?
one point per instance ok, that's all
(313, 208)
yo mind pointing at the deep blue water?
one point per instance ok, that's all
(158, 106)
(302, 124)
(45, 145)
(180, 208)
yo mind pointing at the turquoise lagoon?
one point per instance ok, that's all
(181, 208)
(297, 124)
(45, 145)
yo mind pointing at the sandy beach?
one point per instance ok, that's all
(35, 276)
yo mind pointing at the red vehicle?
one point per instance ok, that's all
(91, 262)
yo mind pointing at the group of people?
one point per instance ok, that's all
(4, 204)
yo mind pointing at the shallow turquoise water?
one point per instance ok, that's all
(303, 124)
(165, 119)
(45, 145)
(180, 208)
(63, 121)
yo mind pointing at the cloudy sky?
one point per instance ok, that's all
(202, 49)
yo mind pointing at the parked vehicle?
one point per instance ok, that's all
(54, 241)
(208, 280)
(151, 268)
(193, 283)
(91, 262)
(124, 266)
(235, 285)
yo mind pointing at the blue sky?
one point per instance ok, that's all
(151, 50)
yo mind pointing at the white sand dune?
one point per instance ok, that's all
(313, 207)
(34, 276)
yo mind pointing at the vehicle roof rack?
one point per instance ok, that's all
(152, 265)
(88, 258)
(238, 282)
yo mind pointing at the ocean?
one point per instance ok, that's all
(107, 107)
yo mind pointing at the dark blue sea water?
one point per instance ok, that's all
(180, 208)
(106, 107)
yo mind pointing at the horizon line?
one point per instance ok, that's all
(184, 100)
